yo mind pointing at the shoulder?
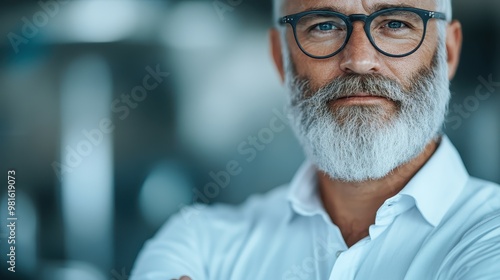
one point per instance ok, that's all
(480, 183)
(483, 204)
(271, 205)
(477, 253)
(477, 200)
(481, 194)
(476, 209)
(200, 235)
(223, 230)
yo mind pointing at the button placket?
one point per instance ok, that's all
(347, 260)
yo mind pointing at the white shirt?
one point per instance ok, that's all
(443, 225)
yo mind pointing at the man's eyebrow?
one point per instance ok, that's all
(372, 9)
(382, 6)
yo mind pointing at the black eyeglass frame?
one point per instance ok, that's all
(367, 19)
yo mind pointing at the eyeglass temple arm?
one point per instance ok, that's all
(284, 20)
(437, 15)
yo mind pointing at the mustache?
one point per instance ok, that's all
(347, 86)
(369, 84)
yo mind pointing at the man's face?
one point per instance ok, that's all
(359, 56)
(365, 138)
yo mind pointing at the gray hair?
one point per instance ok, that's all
(443, 6)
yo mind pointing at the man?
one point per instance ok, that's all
(383, 195)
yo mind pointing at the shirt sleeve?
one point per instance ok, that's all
(173, 252)
(478, 256)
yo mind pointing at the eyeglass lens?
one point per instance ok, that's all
(393, 32)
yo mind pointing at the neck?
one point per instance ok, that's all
(352, 206)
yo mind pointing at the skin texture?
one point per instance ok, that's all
(353, 206)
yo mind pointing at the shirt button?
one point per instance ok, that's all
(339, 253)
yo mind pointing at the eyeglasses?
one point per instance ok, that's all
(395, 32)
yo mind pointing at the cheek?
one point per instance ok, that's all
(318, 71)
(403, 69)
(424, 55)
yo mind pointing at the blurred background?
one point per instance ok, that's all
(114, 114)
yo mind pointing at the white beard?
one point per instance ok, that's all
(361, 143)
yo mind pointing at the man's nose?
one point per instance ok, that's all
(359, 55)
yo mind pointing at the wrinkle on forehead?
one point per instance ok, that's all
(353, 6)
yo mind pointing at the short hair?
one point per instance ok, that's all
(441, 6)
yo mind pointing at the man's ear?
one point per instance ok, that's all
(275, 42)
(454, 39)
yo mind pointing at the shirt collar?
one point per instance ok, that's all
(438, 183)
(434, 188)
(303, 194)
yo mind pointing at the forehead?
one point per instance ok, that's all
(353, 6)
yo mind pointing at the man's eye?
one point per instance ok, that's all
(325, 26)
(396, 24)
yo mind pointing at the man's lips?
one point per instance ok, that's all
(360, 98)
